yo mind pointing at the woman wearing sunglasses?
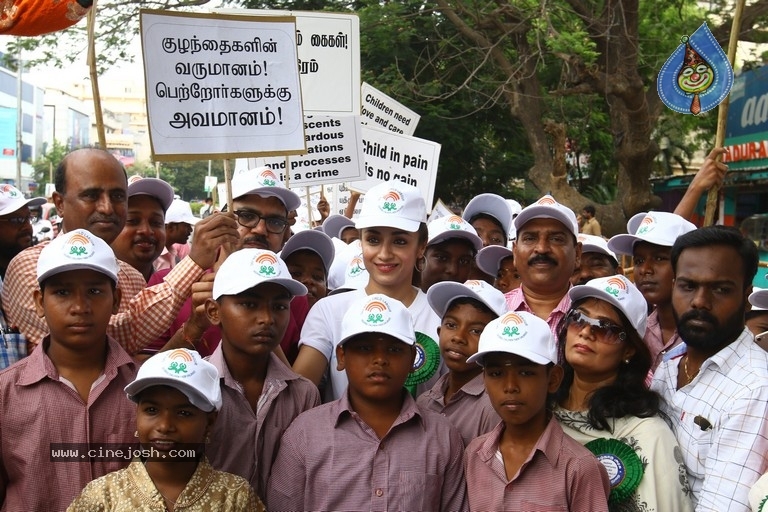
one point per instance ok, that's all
(603, 401)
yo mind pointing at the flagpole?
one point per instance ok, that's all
(722, 113)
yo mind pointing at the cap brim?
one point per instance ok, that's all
(585, 248)
(369, 330)
(759, 299)
(584, 291)
(195, 397)
(440, 295)
(311, 240)
(531, 356)
(545, 212)
(290, 199)
(335, 224)
(623, 244)
(490, 204)
(389, 221)
(294, 287)
(489, 258)
(75, 266)
(153, 187)
(16, 205)
(451, 234)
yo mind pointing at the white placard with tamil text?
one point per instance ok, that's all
(385, 113)
(334, 153)
(329, 59)
(221, 86)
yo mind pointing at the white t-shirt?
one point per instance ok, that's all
(322, 330)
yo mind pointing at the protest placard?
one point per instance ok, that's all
(391, 157)
(221, 86)
(334, 153)
(385, 113)
(329, 59)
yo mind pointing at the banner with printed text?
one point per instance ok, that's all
(385, 113)
(221, 86)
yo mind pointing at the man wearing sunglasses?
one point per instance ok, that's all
(546, 254)
(261, 207)
(15, 236)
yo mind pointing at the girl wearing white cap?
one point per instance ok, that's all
(393, 235)
(605, 404)
(178, 397)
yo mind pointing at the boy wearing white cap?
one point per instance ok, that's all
(179, 222)
(527, 462)
(374, 448)
(69, 390)
(650, 245)
(459, 395)
(251, 300)
(178, 398)
(499, 262)
(597, 260)
(451, 249)
(393, 237)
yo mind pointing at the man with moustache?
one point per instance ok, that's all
(92, 193)
(261, 205)
(715, 384)
(546, 253)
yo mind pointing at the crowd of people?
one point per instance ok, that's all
(499, 359)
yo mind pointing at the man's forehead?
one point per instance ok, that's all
(542, 224)
(256, 202)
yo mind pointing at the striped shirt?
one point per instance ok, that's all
(516, 302)
(38, 408)
(720, 423)
(245, 442)
(469, 409)
(654, 340)
(559, 474)
(145, 313)
(331, 460)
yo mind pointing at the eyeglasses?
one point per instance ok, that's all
(605, 331)
(249, 219)
(17, 220)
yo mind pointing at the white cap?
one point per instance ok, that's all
(519, 333)
(263, 182)
(11, 199)
(659, 228)
(594, 243)
(634, 222)
(547, 208)
(489, 258)
(246, 268)
(184, 370)
(397, 205)
(758, 298)
(440, 295)
(380, 314)
(493, 205)
(76, 250)
(619, 292)
(453, 226)
(157, 188)
(348, 270)
(311, 240)
(515, 207)
(180, 211)
(335, 224)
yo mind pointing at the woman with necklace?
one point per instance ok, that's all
(603, 401)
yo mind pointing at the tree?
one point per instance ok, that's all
(45, 165)
(188, 177)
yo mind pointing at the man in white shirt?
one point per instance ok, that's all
(715, 384)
